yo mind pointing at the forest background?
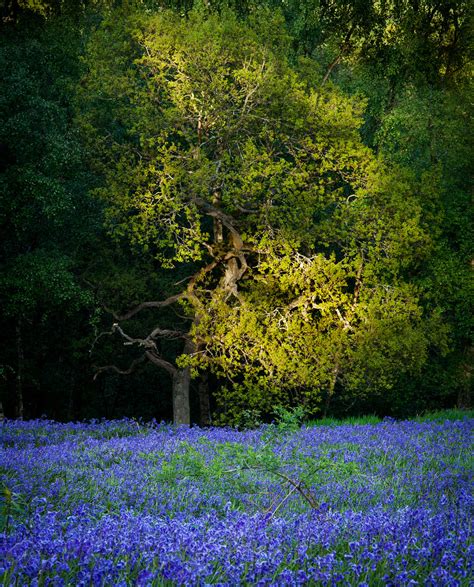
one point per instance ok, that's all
(210, 209)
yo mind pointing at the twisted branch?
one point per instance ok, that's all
(151, 351)
(154, 304)
(131, 369)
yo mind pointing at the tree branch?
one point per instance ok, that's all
(151, 352)
(159, 362)
(166, 333)
(226, 220)
(344, 47)
(158, 304)
(132, 368)
(98, 337)
(298, 486)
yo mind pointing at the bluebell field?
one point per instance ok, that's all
(123, 503)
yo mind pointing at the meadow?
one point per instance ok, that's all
(128, 503)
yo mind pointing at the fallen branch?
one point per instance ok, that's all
(297, 485)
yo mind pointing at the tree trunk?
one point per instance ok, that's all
(70, 402)
(204, 404)
(217, 223)
(464, 394)
(19, 373)
(332, 387)
(181, 385)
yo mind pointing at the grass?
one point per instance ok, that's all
(353, 421)
(441, 415)
(453, 414)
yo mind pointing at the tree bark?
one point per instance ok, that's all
(181, 384)
(20, 372)
(217, 222)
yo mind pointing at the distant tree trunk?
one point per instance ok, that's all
(70, 402)
(464, 395)
(204, 403)
(19, 372)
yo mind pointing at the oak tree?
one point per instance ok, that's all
(219, 157)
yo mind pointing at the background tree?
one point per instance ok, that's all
(47, 217)
(52, 243)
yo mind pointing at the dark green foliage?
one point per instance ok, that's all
(46, 216)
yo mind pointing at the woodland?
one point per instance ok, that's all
(212, 210)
